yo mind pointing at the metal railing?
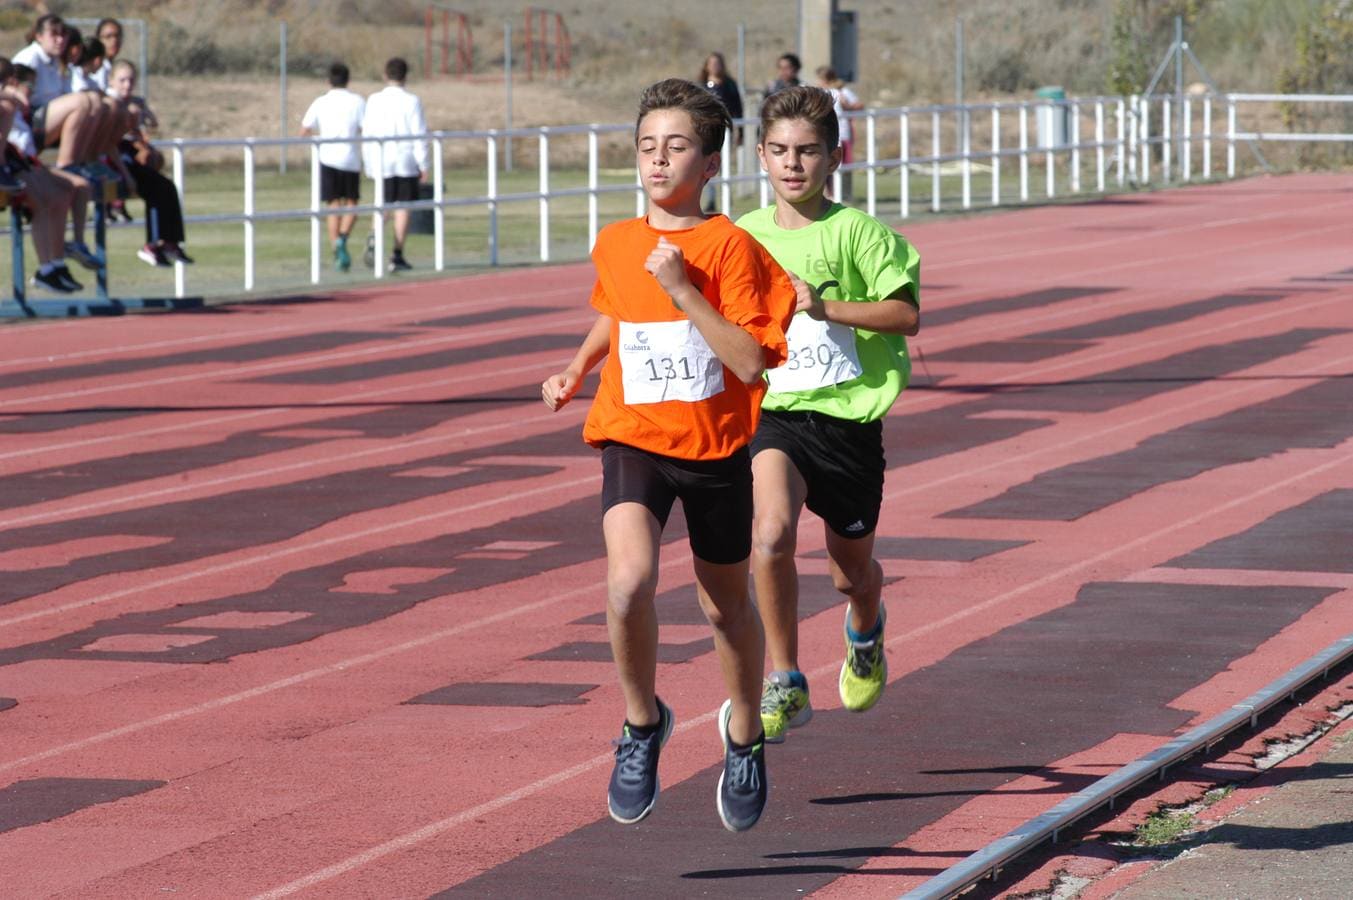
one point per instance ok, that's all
(1127, 135)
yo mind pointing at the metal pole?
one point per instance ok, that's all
(249, 214)
(180, 287)
(439, 213)
(141, 54)
(1230, 138)
(904, 184)
(1207, 136)
(591, 187)
(316, 222)
(282, 91)
(935, 161)
(871, 174)
(507, 80)
(492, 156)
(958, 60)
(543, 161)
(1024, 153)
(1179, 89)
(742, 58)
(995, 156)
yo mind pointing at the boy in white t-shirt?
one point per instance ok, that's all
(338, 114)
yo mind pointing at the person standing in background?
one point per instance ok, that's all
(338, 113)
(843, 99)
(394, 112)
(714, 76)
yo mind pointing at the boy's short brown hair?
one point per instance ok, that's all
(809, 104)
(709, 116)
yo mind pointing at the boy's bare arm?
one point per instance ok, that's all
(559, 389)
(734, 346)
(894, 315)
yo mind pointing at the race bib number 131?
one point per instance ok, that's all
(667, 361)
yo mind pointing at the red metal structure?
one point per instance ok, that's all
(464, 41)
(546, 51)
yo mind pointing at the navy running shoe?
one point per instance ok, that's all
(634, 780)
(743, 786)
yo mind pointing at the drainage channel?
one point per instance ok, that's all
(989, 861)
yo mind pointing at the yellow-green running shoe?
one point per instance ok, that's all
(784, 705)
(864, 674)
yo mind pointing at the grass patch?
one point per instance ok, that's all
(1164, 826)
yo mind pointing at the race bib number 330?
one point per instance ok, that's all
(820, 353)
(667, 361)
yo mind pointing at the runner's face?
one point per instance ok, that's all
(671, 164)
(112, 40)
(796, 159)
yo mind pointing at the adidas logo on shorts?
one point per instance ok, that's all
(857, 525)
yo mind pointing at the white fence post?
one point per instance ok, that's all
(493, 197)
(591, 187)
(1230, 138)
(725, 171)
(965, 148)
(1166, 137)
(1186, 147)
(180, 275)
(378, 217)
(1122, 147)
(1074, 108)
(904, 174)
(995, 155)
(315, 221)
(438, 211)
(1050, 174)
(1207, 136)
(1099, 146)
(1145, 141)
(543, 162)
(871, 157)
(1023, 153)
(249, 214)
(935, 161)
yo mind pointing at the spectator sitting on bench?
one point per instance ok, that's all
(19, 84)
(47, 198)
(83, 75)
(77, 124)
(164, 212)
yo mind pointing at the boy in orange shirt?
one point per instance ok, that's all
(691, 313)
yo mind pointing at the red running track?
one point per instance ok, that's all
(305, 596)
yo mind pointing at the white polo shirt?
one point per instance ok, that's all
(337, 114)
(52, 80)
(394, 112)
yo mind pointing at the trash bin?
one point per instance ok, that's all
(423, 221)
(1053, 121)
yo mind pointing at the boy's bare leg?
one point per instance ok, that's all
(401, 218)
(779, 491)
(632, 534)
(858, 575)
(346, 222)
(739, 640)
(334, 219)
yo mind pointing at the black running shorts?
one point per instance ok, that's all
(716, 496)
(401, 188)
(842, 462)
(339, 184)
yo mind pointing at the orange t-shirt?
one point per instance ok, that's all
(662, 356)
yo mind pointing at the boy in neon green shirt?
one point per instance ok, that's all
(820, 440)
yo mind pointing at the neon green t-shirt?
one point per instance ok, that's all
(846, 255)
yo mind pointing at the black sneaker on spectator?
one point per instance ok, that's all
(152, 256)
(398, 263)
(80, 252)
(68, 280)
(174, 253)
(52, 281)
